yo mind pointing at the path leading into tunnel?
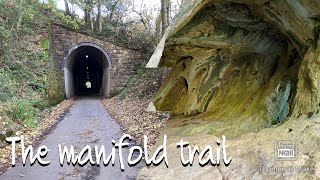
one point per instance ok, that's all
(87, 123)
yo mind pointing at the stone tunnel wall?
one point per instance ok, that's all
(124, 62)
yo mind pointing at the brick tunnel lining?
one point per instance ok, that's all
(85, 63)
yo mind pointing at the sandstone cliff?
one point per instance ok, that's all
(253, 63)
(239, 67)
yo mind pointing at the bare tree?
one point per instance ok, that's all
(67, 9)
(144, 15)
(158, 28)
(112, 8)
(97, 26)
(87, 7)
(165, 9)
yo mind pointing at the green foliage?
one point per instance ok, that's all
(75, 23)
(124, 93)
(141, 71)
(21, 16)
(22, 112)
(24, 51)
(60, 17)
(8, 86)
(4, 39)
(44, 44)
(23, 61)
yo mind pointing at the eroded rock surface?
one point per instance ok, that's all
(239, 67)
(253, 155)
(249, 64)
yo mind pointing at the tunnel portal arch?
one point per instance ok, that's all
(86, 68)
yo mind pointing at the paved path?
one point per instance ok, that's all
(87, 123)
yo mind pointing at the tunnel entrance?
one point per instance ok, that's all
(87, 71)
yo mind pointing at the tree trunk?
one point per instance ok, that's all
(86, 17)
(113, 7)
(158, 28)
(66, 5)
(98, 19)
(164, 14)
(100, 26)
(87, 13)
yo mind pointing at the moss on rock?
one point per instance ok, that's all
(239, 67)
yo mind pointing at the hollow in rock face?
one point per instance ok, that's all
(234, 70)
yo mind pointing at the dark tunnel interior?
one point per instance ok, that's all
(85, 72)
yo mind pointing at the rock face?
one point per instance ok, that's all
(249, 64)
(253, 155)
(239, 67)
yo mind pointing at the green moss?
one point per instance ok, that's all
(54, 87)
(44, 43)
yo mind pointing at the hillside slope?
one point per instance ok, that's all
(23, 62)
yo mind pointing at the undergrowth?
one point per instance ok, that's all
(23, 62)
(144, 84)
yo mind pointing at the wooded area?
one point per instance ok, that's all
(124, 18)
(24, 50)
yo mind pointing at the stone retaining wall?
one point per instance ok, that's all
(124, 62)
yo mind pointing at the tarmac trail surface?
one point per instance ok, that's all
(87, 123)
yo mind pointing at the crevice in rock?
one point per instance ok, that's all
(273, 69)
(293, 58)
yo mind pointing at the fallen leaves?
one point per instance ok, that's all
(129, 107)
(85, 133)
(134, 120)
